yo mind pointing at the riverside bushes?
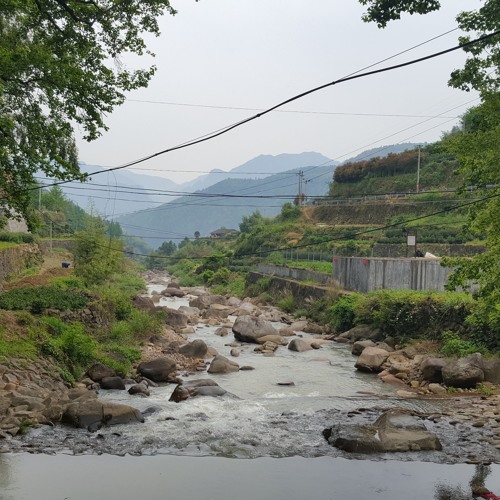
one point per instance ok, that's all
(36, 299)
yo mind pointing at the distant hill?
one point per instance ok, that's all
(116, 192)
(207, 211)
(258, 168)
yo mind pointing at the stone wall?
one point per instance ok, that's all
(300, 292)
(295, 273)
(16, 259)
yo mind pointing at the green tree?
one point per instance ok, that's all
(248, 222)
(476, 146)
(96, 256)
(167, 248)
(481, 68)
(60, 66)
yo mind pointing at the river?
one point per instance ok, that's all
(265, 442)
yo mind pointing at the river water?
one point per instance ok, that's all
(264, 441)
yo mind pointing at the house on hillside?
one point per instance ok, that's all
(222, 233)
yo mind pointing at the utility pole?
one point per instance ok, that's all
(418, 170)
(301, 196)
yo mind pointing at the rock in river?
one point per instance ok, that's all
(250, 328)
(394, 431)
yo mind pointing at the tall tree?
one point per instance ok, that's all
(476, 146)
(60, 65)
(481, 69)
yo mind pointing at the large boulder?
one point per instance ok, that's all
(394, 431)
(371, 359)
(359, 346)
(360, 332)
(218, 311)
(192, 313)
(144, 303)
(299, 345)
(432, 369)
(141, 389)
(204, 301)
(195, 349)
(246, 309)
(174, 318)
(220, 364)
(157, 370)
(173, 292)
(112, 383)
(93, 413)
(464, 372)
(98, 371)
(193, 388)
(492, 371)
(250, 328)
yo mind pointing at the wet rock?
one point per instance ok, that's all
(220, 364)
(204, 301)
(141, 389)
(246, 309)
(360, 332)
(464, 372)
(174, 318)
(299, 345)
(359, 346)
(371, 359)
(492, 370)
(112, 383)
(432, 369)
(235, 353)
(250, 328)
(394, 431)
(158, 370)
(92, 413)
(222, 332)
(98, 371)
(314, 329)
(192, 313)
(388, 378)
(437, 389)
(195, 349)
(246, 368)
(150, 410)
(194, 388)
(173, 292)
(275, 339)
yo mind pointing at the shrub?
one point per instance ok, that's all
(455, 346)
(406, 314)
(35, 299)
(287, 303)
(342, 313)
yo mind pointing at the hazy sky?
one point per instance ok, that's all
(256, 53)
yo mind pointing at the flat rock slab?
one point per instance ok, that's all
(394, 431)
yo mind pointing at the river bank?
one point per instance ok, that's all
(282, 407)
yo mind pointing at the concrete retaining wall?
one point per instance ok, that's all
(294, 273)
(368, 274)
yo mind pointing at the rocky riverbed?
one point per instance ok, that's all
(241, 346)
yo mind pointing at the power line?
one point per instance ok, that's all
(335, 113)
(294, 98)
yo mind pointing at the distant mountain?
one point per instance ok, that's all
(258, 168)
(118, 192)
(383, 151)
(207, 211)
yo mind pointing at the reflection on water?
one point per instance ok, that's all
(59, 477)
